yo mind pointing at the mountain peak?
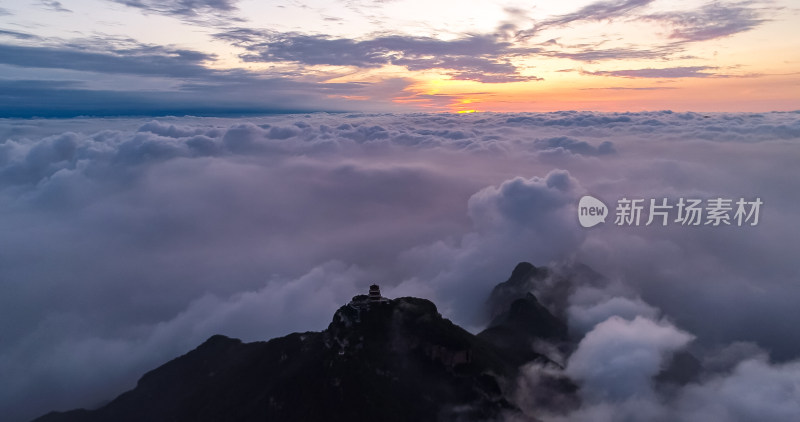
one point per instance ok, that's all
(521, 281)
(379, 359)
(522, 268)
(391, 360)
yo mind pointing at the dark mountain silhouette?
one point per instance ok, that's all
(379, 359)
(518, 319)
(521, 282)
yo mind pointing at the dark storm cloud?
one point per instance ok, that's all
(667, 72)
(714, 20)
(127, 242)
(476, 57)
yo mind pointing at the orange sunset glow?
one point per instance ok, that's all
(401, 56)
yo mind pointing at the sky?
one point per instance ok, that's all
(129, 241)
(171, 170)
(234, 57)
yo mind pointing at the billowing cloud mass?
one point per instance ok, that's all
(618, 358)
(619, 362)
(128, 241)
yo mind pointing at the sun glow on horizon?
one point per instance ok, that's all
(411, 55)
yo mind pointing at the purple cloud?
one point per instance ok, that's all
(668, 72)
(55, 6)
(473, 57)
(186, 9)
(598, 11)
(714, 20)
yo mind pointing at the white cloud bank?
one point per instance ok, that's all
(126, 242)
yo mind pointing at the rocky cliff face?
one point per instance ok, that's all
(394, 360)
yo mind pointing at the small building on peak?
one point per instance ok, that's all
(373, 297)
(375, 293)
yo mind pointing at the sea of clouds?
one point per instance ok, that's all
(127, 242)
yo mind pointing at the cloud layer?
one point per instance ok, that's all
(129, 241)
(483, 58)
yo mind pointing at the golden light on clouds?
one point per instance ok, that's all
(452, 56)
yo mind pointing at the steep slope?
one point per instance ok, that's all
(395, 360)
(379, 359)
(519, 320)
(521, 282)
(526, 322)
